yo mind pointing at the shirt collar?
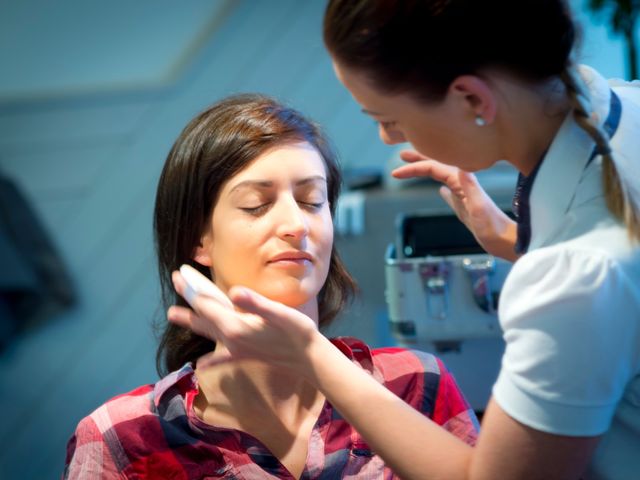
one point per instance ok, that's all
(185, 377)
(353, 348)
(559, 174)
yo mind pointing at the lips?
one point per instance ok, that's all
(291, 256)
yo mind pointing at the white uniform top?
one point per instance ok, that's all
(570, 307)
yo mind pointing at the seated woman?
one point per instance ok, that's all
(246, 197)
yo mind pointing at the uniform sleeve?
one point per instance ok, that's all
(88, 455)
(568, 319)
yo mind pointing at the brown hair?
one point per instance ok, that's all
(213, 147)
(617, 192)
(421, 46)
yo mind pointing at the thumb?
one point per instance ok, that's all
(447, 196)
(278, 315)
(456, 204)
(468, 183)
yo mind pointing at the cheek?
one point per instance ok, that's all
(233, 247)
(321, 236)
(432, 145)
(326, 237)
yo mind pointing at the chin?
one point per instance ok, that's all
(290, 295)
(290, 299)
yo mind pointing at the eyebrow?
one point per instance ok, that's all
(264, 184)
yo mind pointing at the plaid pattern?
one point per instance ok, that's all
(153, 433)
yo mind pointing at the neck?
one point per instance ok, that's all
(250, 389)
(531, 120)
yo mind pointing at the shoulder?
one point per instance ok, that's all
(405, 372)
(553, 294)
(629, 91)
(411, 374)
(594, 274)
(123, 409)
(96, 446)
(414, 375)
(571, 319)
(395, 362)
(421, 378)
(424, 382)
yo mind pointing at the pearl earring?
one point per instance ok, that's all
(481, 122)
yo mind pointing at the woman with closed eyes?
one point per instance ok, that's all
(246, 199)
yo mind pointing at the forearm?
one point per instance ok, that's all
(413, 446)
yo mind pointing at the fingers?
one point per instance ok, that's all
(278, 315)
(253, 302)
(456, 203)
(210, 319)
(189, 283)
(184, 317)
(446, 194)
(468, 182)
(428, 168)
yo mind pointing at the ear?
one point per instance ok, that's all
(477, 94)
(201, 252)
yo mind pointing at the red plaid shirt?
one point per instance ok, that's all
(152, 432)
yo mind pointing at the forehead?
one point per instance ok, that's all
(282, 163)
(371, 100)
(294, 161)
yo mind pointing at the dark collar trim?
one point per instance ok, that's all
(520, 205)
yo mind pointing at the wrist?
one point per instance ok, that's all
(499, 236)
(318, 353)
(506, 237)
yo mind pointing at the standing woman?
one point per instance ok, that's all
(469, 83)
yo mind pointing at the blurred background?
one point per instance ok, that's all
(92, 95)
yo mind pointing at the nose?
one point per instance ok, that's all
(292, 220)
(389, 136)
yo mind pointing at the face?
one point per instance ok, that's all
(271, 228)
(445, 131)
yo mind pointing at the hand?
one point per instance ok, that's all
(246, 323)
(491, 227)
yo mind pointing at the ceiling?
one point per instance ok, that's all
(51, 49)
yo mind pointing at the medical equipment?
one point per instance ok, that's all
(441, 286)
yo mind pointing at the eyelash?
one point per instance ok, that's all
(256, 210)
(260, 209)
(387, 125)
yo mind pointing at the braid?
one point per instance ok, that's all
(583, 110)
(619, 199)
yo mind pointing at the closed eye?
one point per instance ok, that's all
(256, 211)
(312, 206)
